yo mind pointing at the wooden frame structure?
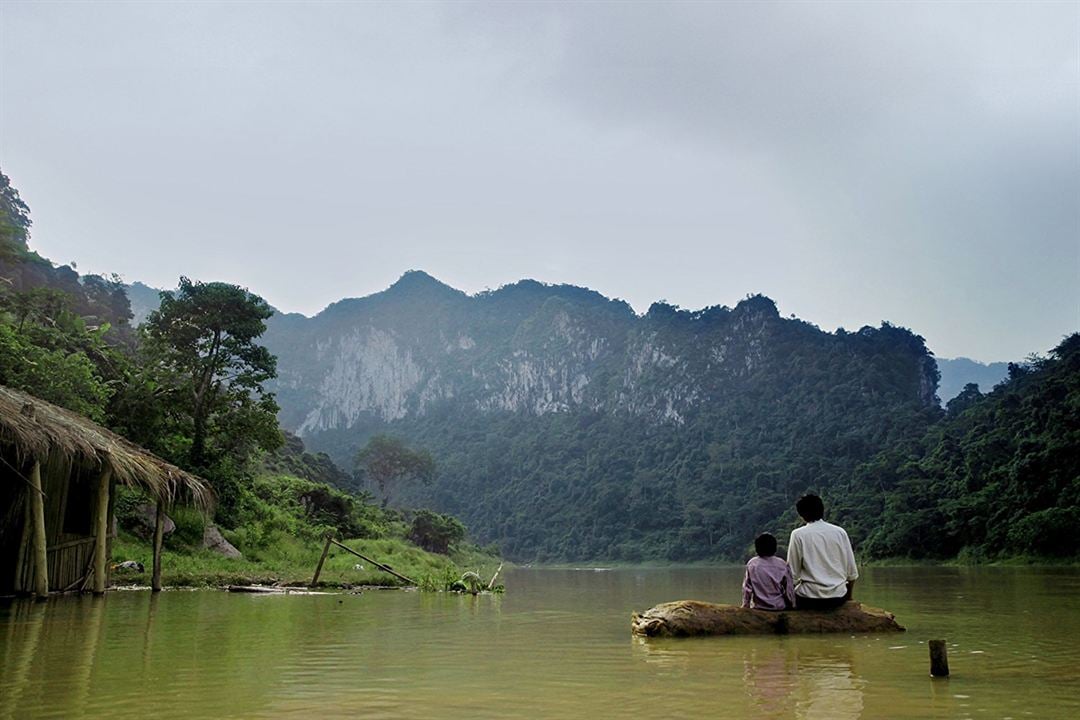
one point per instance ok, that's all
(58, 473)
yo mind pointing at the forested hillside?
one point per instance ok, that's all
(999, 476)
(567, 427)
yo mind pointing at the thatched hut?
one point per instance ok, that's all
(58, 472)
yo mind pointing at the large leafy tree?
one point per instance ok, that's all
(203, 338)
(386, 460)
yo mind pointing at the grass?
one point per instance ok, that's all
(281, 524)
(291, 561)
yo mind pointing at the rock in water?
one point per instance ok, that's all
(685, 618)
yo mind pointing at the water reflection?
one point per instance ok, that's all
(770, 675)
(828, 685)
(554, 647)
(665, 655)
(805, 682)
(25, 624)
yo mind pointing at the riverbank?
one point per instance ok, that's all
(291, 561)
(273, 533)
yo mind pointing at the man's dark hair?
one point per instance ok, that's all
(765, 545)
(810, 508)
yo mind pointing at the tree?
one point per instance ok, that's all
(435, 532)
(14, 220)
(203, 338)
(386, 460)
(49, 351)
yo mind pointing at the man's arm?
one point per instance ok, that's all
(794, 556)
(850, 567)
(850, 589)
(746, 591)
(789, 589)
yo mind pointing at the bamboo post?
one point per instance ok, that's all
(939, 659)
(37, 516)
(22, 583)
(376, 563)
(101, 527)
(159, 534)
(491, 584)
(322, 559)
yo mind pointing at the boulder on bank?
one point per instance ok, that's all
(685, 618)
(143, 518)
(214, 540)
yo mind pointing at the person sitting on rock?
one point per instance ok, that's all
(768, 584)
(821, 559)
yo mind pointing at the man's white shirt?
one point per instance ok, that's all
(821, 559)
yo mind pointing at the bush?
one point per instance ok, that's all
(435, 532)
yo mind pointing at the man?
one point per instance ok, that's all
(821, 559)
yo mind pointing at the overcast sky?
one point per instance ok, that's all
(917, 163)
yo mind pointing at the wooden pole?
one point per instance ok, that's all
(322, 559)
(939, 659)
(21, 582)
(101, 527)
(159, 535)
(492, 583)
(376, 563)
(37, 517)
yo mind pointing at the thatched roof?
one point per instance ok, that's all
(36, 428)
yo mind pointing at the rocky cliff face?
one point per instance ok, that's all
(534, 349)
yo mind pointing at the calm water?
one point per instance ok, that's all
(557, 645)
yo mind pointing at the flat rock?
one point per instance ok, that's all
(214, 540)
(686, 618)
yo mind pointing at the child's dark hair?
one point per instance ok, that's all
(765, 545)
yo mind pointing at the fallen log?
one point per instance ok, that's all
(685, 618)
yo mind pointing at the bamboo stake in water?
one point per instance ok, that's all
(101, 527)
(159, 535)
(37, 517)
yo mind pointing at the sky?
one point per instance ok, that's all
(857, 162)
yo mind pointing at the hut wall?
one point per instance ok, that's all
(69, 529)
(12, 518)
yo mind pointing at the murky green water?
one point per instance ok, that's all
(556, 646)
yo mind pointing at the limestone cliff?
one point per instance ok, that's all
(534, 349)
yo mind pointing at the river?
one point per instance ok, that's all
(557, 645)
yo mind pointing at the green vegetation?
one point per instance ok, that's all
(190, 386)
(281, 528)
(997, 478)
(386, 461)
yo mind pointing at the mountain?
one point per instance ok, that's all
(144, 300)
(958, 372)
(567, 426)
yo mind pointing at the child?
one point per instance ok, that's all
(768, 584)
